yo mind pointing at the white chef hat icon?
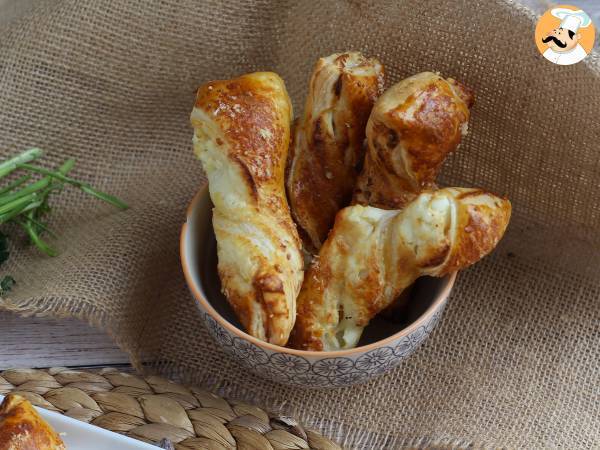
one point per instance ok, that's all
(572, 20)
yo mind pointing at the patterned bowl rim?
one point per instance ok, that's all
(197, 293)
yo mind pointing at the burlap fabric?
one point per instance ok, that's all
(514, 361)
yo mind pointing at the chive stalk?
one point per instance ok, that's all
(27, 204)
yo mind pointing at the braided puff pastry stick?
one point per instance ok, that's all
(22, 428)
(414, 125)
(241, 135)
(327, 151)
(372, 255)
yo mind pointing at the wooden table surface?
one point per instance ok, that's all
(44, 342)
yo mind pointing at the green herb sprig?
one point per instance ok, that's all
(24, 201)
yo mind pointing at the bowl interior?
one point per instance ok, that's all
(200, 252)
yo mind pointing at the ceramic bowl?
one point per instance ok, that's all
(384, 343)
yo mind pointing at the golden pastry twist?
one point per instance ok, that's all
(414, 125)
(22, 428)
(241, 135)
(372, 255)
(327, 149)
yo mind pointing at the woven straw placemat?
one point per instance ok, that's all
(153, 408)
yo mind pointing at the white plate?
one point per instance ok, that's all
(83, 436)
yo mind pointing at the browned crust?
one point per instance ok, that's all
(465, 93)
(326, 165)
(253, 113)
(245, 108)
(481, 221)
(308, 331)
(480, 228)
(22, 428)
(312, 312)
(437, 258)
(426, 136)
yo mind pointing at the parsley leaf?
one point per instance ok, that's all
(6, 284)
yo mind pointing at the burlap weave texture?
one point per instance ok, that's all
(514, 361)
